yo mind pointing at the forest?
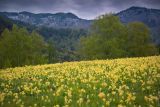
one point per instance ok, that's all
(108, 38)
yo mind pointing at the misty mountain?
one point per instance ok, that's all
(58, 20)
(150, 17)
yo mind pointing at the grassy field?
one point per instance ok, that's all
(132, 82)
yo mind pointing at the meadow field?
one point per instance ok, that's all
(128, 82)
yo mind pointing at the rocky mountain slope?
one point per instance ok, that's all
(151, 17)
(58, 20)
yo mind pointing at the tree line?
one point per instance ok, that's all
(18, 47)
(108, 38)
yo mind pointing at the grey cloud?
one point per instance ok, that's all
(83, 8)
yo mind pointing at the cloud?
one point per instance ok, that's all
(83, 8)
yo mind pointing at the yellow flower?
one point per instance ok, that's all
(130, 97)
(80, 101)
(101, 95)
(107, 103)
(2, 96)
(104, 84)
(121, 92)
(120, 105)
(113, 92)
(47, 83)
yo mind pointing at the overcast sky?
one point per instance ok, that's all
(88, 9)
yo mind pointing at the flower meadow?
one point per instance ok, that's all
(129, 82)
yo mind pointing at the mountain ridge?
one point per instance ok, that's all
(57, 20)
(127, 15)
(146, 15)
(150, 17)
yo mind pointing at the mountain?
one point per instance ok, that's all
(69, 20)
(150, 17)
(58, 20)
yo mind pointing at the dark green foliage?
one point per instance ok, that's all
(19, 47)
(65, 41)
(109, 38)
(4, 23)
(52, 53)
(139, 40)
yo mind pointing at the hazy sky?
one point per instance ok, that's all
(83, 8)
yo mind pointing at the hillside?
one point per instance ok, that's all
(58, 20)
(69, 20)
(119, 82)
(150, 17)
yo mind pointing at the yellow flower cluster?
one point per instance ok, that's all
(129, 82)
